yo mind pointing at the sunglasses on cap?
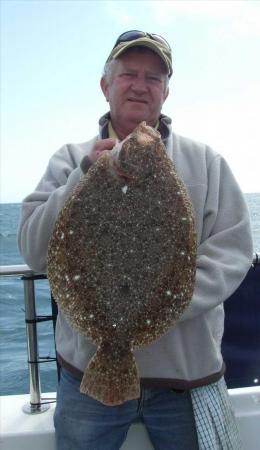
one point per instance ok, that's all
(132, 35)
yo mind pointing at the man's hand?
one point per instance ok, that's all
(100, 147)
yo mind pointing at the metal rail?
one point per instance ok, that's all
(37, 404)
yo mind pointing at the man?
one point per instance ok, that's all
(184, 402)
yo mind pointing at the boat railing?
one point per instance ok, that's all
(37, 404)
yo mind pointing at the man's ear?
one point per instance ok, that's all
(166, 93)
(104, 87)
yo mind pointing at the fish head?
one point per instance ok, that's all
(139, 154)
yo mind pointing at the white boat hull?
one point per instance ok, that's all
(20, 431)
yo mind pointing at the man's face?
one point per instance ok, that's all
(135, 89)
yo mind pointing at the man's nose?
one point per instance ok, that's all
(139, 85)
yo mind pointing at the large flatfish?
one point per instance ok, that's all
(121, 259)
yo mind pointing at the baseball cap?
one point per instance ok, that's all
(136, 38)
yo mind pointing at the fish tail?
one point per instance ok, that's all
(111, 376)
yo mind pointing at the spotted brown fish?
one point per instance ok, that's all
(121, 259)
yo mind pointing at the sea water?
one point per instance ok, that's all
(13, 352)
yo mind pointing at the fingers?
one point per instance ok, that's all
(100, 147)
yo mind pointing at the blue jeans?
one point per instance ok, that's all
(82, 423)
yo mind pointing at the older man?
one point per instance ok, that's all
(183, 402)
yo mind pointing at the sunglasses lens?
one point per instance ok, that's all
(129, 36)
(136, 34)
(160, 39)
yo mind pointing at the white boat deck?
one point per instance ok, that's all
(20, 431)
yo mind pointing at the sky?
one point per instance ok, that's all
(52, 57)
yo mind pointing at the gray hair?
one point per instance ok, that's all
(107, 71)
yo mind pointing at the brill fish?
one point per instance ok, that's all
(122, 259)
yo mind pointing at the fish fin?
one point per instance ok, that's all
(111, 376)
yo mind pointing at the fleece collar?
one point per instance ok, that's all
(164, 126)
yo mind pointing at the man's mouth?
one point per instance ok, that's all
(137, 100)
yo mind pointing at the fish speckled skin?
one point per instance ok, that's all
(121, 259)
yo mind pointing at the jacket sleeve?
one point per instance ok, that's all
(40, 209)
(225, 252)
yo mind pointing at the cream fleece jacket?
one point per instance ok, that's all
(189, 355)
